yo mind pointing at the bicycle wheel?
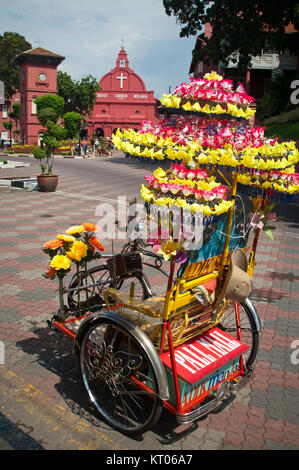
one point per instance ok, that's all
(91, 297)
(119, 377)
(249, 330)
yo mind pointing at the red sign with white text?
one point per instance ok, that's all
(204, 355)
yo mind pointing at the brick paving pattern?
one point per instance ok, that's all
(43, 404)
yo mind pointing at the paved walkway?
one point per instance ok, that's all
(43, 404)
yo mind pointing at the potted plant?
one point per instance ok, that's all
(49, 110)
(47, 182)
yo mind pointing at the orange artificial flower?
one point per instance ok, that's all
(50, 273)
(90, 227)
(96, 243)
(53, 244)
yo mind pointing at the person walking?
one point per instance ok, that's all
(96, 144)
(92, 146)
(84, 144)
(73, 146)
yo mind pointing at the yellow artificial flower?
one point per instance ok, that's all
(65, 238)
(159, 173)
(75, 229)
(77, 251)
(60, 262)
(146, 193)
(169, 248)
(187, 106)
(80, 248)
(196, 107)
(175, 101)
(213, 76)
(206, 109)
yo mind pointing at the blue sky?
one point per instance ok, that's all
(89, 36)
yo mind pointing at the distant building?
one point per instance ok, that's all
(38, 76)
(122, 102)
(5, 109)
(262, 70)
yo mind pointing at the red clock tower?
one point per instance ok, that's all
(38, 76)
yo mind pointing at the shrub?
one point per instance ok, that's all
(291, 116)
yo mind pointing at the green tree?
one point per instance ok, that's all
(79, 96)
(71, 122)
(15, 114)
(11, 44)
(49, 110)
(238, 26)
(49, 107)
(277, 97)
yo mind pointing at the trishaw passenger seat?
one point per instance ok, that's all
(152, 307)
(201, 295)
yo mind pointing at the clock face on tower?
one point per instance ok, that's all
(42, 77)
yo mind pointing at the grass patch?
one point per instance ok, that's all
(285, 130)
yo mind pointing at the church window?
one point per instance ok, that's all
(4, 111)
(122, 63)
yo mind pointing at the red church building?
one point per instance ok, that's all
(122, 102)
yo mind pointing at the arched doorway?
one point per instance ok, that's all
(40, 138)
(99, 132)
(84, 133)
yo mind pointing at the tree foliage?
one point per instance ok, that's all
(238, 26)
(79, 96)
(11, 44)
(277, 97)
(71, 122)
(49, 107)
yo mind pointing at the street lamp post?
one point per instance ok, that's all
(79, 137)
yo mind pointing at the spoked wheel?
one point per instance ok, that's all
(91, 296)
(119, 377)
(97, 280)
(249, 331)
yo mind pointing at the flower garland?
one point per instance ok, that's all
(196, 95)
(203, 132)
(265, 157)
(187, 188)
(280, 182)
(186, 183)
(175, 102)
(153, 196)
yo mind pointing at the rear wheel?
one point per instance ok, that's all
(249, 331)
(119, 377)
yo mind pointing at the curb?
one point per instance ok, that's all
(23, 183)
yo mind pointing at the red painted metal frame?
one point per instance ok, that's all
(61, 326)
(178, 408)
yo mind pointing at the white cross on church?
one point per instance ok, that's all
(121, 78)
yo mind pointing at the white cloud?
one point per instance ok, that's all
(89, 35)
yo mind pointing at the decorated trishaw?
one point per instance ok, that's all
(191, 347)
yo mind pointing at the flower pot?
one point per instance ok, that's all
(47, 183)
